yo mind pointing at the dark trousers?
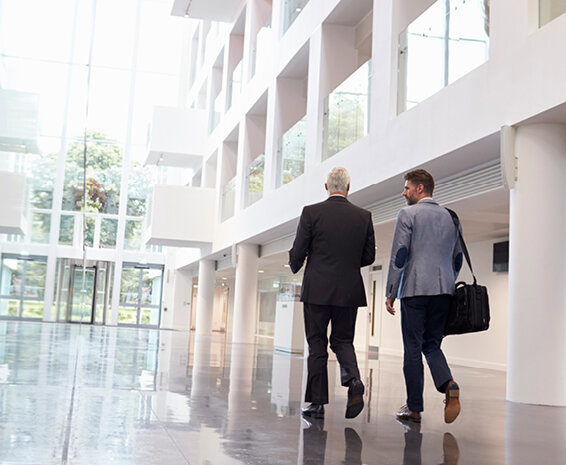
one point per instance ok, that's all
(343, 321)
(422, 323)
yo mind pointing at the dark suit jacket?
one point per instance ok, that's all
(337, 238)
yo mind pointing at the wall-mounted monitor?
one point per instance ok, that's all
(501, 256)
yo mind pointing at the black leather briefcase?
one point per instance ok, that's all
(469, 310)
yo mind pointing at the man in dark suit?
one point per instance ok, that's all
(425, 260)
(336, 238)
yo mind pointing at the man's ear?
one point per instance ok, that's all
(326, 186)
(348, 188)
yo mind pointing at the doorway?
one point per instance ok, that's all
(376, 307)
(83, 293)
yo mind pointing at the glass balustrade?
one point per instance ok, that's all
(228, 199)
(292, 152)
(236, 83)
(262, 48)
(292, 9)
(216, 112)
(450, 39)
(254, 180)
(346, 115)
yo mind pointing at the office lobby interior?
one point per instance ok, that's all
(155, 157)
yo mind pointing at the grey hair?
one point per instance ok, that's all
(338, 180)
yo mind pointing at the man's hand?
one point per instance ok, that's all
(389, 305)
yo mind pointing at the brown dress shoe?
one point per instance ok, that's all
(452, 401)
(404, 414)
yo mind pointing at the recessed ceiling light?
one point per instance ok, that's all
(260, 271)
(287, 266)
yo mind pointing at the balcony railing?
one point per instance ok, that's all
(292, 9)
(254, 180)
(292, 152)
(228, 199)
(346, 115)
(236, 83)
(262, 48)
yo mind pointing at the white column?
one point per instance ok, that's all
(537, 268)
(205, 296)
(245, 294)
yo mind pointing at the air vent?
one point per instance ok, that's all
(479, 180)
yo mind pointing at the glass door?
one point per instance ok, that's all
(140, 295)
(83, 296)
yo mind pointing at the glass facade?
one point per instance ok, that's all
(22, 286)
(80, 102)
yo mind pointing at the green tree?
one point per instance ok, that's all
(103, 174)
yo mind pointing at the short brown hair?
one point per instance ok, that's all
(423, 177)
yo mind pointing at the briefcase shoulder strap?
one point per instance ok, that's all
(456, 221)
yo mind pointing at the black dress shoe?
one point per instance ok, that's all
(314, 411)
(355, 398)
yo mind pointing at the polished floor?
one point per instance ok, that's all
(72, 394)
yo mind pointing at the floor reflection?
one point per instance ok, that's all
(413, 444)
(97, 395)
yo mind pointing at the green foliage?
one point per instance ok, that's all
(103, 174)
(346, 120)
(42, 179)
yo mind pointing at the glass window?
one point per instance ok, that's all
(90, 225)
(108, 232)
(47, 81)
(41, 172)
(446, 42)
(22, 286)
(161, 39)
(140, 187)
(132, 239)
(346, 118)
(107, 51)
(66, 229)
(41, 222)
(292, 152)
(103, 175)
(22, 20)
(109, 89)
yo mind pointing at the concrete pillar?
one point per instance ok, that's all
(245, 294)
(205, 296)
(537, 268)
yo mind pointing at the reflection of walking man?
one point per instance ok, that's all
(425, 261)
(337, 239)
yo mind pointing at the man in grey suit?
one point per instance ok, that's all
(425, 261)
(336, 238)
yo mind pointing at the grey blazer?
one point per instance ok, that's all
(426, 256)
